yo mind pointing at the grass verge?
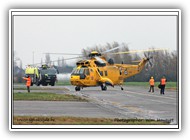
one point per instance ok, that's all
(44, 96)
(169, 85)
(41, 120)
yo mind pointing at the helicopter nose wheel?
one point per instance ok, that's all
(77, 88)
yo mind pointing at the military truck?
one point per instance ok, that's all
(43, 75)
(48, 75)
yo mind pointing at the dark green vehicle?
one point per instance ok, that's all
(48, 75)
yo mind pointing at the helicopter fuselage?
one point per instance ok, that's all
(98, 72)
(95, 76)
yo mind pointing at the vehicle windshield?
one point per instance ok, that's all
(48, 71)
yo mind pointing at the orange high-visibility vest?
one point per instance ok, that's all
(28, 81)
(163, 81)
(151, 82)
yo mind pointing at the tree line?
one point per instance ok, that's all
(164, 63)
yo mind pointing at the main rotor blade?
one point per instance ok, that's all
(111, 49)
(74, 58)
(137, 51)
(67, 59)
(63, 53)
(58, 60)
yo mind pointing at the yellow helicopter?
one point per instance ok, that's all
(96, 71)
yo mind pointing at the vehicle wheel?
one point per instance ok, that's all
(77, 88)
(38, 83)
(53, 83)
(121, 88)
(44, 84)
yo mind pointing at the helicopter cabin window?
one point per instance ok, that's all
(106, 73)
(101, 73)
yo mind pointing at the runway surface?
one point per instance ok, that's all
(132, 102)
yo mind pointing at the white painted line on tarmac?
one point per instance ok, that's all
(159, 101)
(152, 95)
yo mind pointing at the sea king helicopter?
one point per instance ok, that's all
(97, 71)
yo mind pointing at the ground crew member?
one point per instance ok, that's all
(151, 82)
(28, 82)
(163, 84)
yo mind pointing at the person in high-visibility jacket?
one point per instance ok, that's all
(28, 82)
(163, 84)
(151, 82)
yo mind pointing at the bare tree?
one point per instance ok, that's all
(58, 62)
(47, 59)
(62, 62)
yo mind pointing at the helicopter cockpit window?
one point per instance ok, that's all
(75, 71)
(81, 71)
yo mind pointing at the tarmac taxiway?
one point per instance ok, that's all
(132, 102)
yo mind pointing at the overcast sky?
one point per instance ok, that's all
(70, 34)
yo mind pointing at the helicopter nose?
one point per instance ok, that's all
(74, 79)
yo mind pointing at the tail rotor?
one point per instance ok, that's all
(149, 57)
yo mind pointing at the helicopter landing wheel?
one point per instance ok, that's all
(103, 87)
(77, 88)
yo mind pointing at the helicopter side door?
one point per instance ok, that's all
(87, 76)
(90, 75)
